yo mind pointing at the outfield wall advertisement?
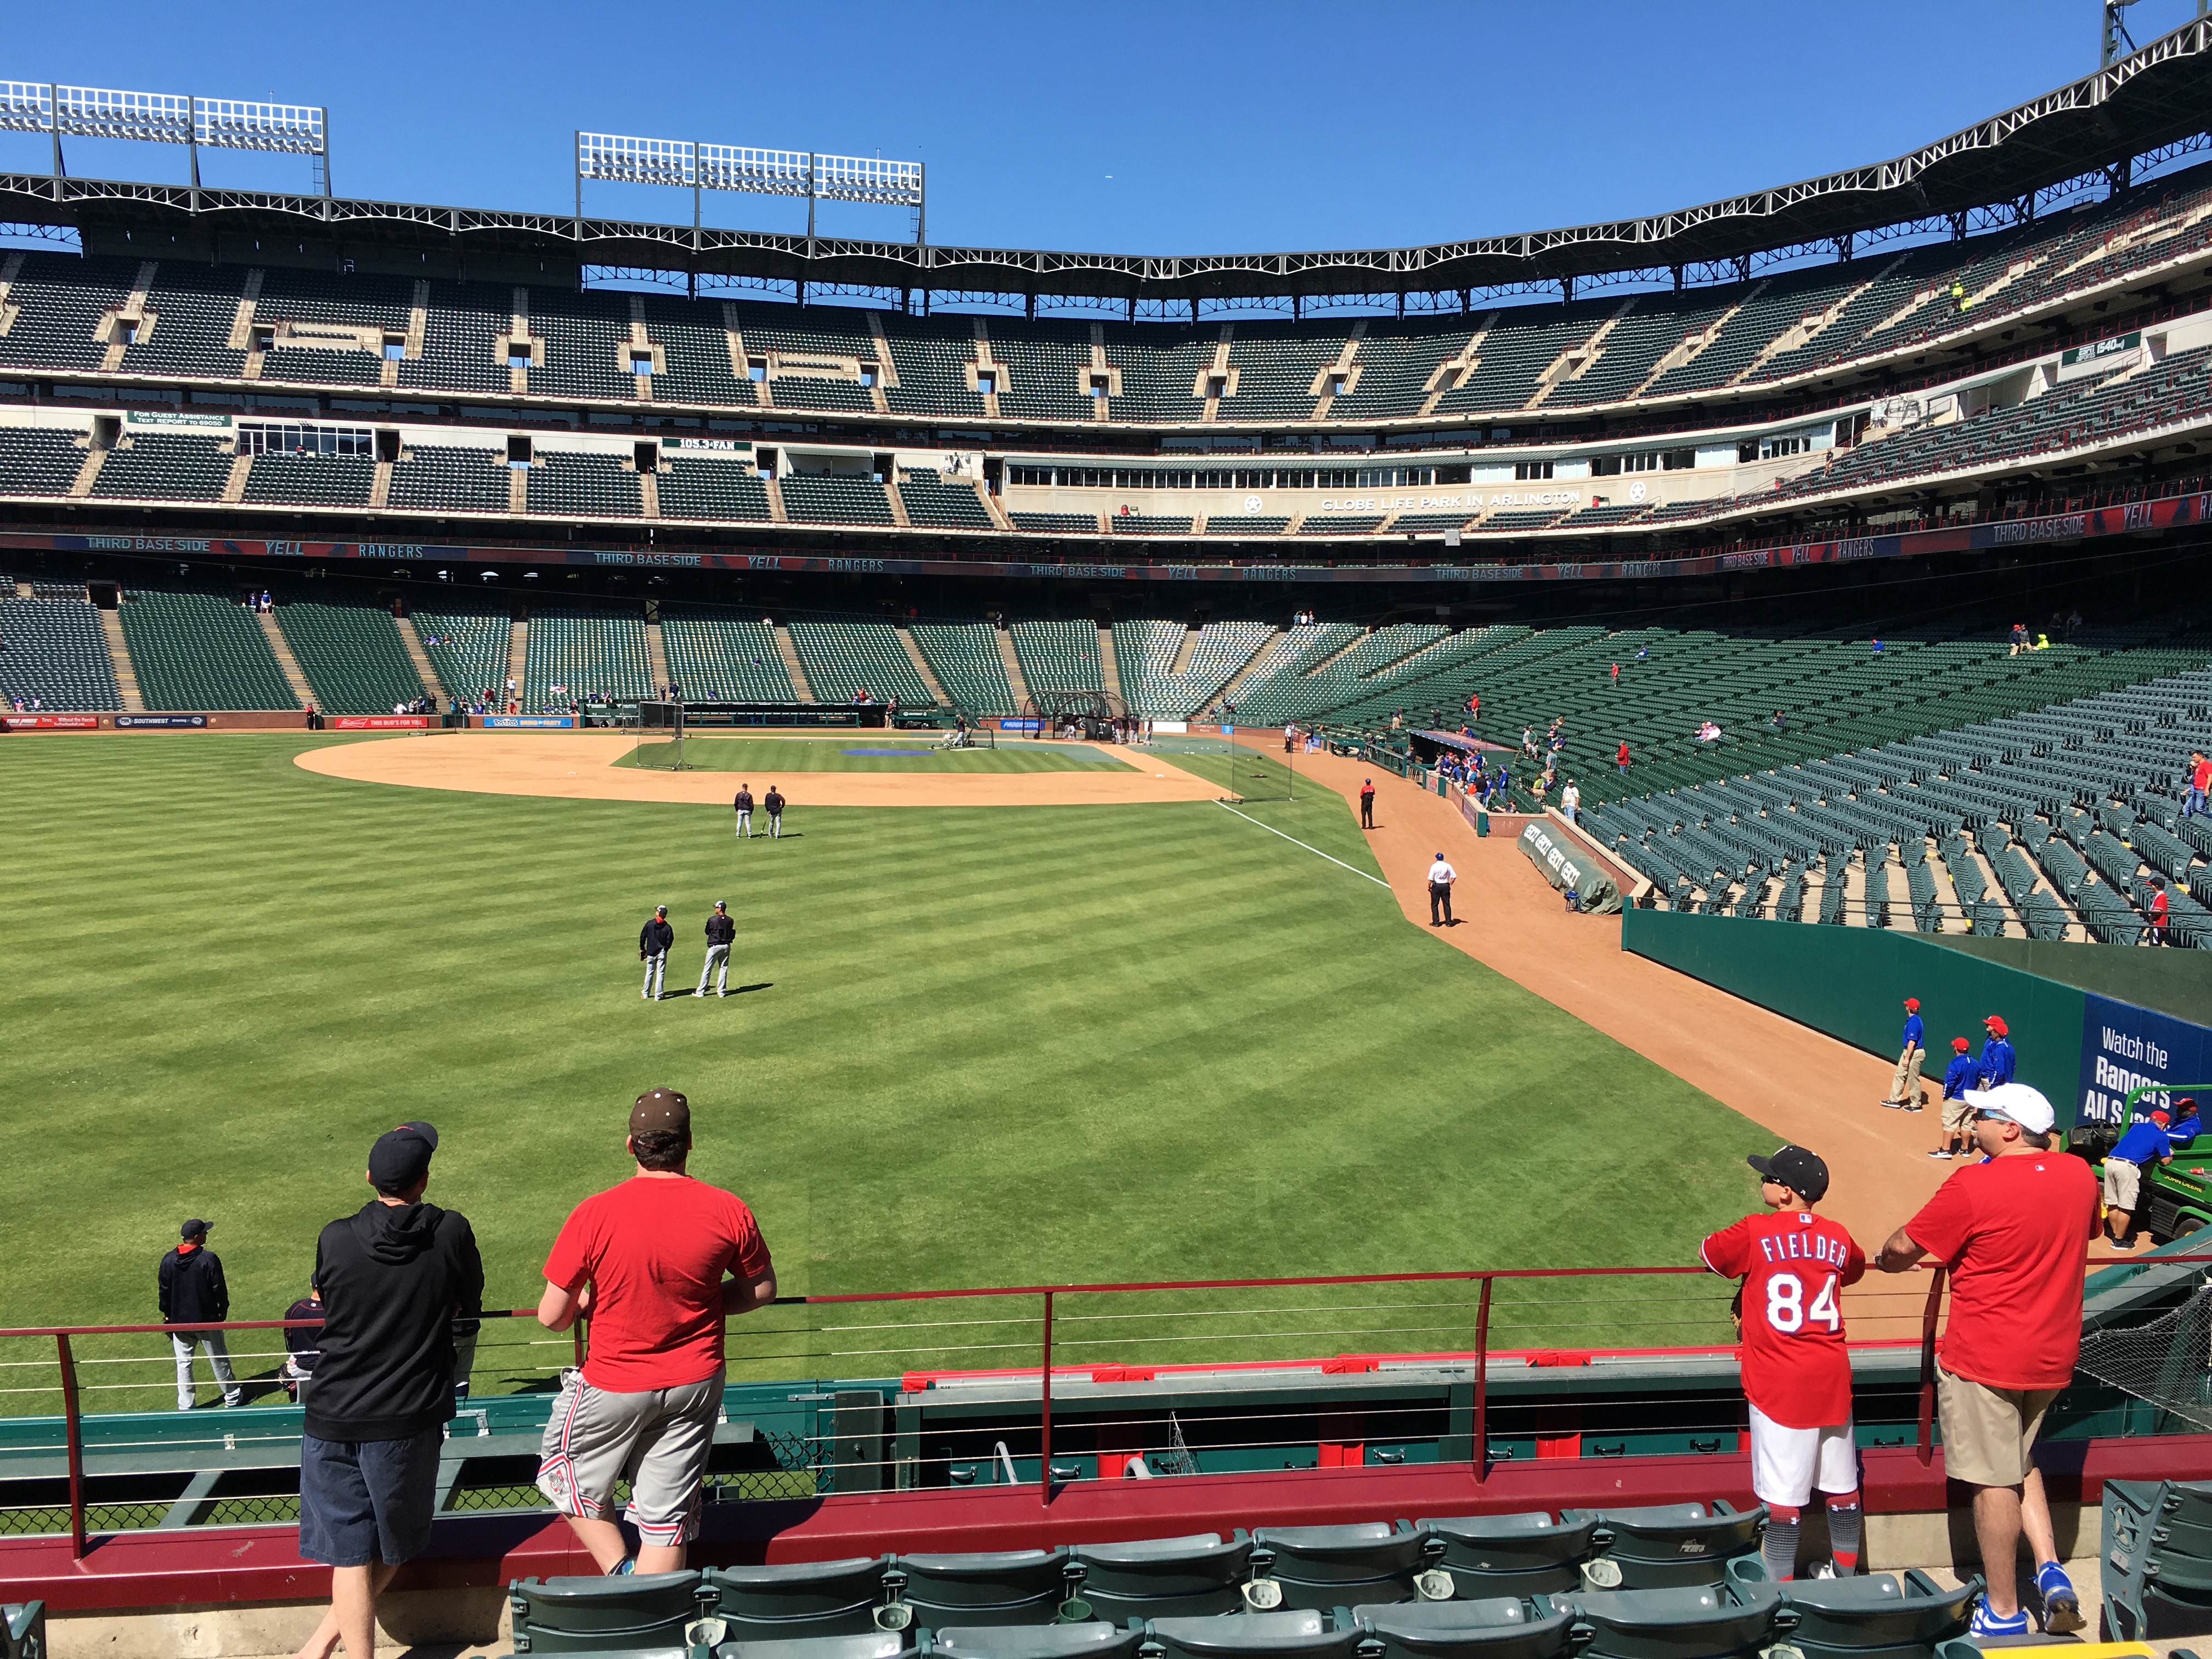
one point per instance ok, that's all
(377, 722)
(2125, 1047)
(2173, 512)
(529, 722)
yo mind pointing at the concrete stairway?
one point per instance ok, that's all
(656, 648)
(921, 666)
(1110, 663)
(517, 657)
(285, 660)
(126, 674)
(1013, 667)
(792, 666)
(413, 643)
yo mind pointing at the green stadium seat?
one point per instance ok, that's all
(803, 1599)
(1095, 1639)
(1691, 1622)
(1876, 1616)
(878, 1644)
(1498, 1627)
(1320, 1567)
(1190, 1578)
(1511, 1554)
(645, 1611)
(1303, 1634)
(2158, 1551)
(23, 1626)
(1667, 1546)
(350, 654)
(194, 649)
(1007, 1586)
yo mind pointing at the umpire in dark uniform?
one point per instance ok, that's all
(654, 940)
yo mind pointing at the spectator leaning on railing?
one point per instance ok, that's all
(2015, 1231)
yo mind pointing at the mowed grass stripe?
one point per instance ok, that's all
(999, 1045)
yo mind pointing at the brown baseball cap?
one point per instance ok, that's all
(660, 1109)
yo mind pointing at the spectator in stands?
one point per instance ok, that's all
(644, 1262)
(2019, 639)
(1797, 1370)
(1905, 1085)
(2015, 1231)
(302, 1343)
(393, 1277)
(1780, 723)
(2072, 621)
(1997, 1059)
(2160, 909)
(1708, 732)
(1877, 647)
(1571, 800)
(654, 940)
(1441, 877)
(1958, 1116)
(192, 1292)
(1958, 295)
(2200, 781)
(1621, 756)
(2145, 1142)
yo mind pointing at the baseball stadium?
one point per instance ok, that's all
(1276, 829)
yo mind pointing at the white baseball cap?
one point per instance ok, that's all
(2016, 1103)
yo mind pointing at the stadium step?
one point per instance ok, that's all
(88, 474)
(1262, 656)
(897, 500)
(1577, 361)
(1455, 368)
(1180, 663)
(133, 310)
(789, 653)
(233, 487)
(1693, 344)
(1344, 365)
(241, 322)
(922, 668)
(775, 500)
(648, 494)
(10, 269)
(280, 648)
(412, 643)
(1015, 682)
(656, 652)
(517, 478)
(118, 652)
(380, 488)
(1107, 662)
(518, 652)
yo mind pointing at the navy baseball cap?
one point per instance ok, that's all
(1793, 1167)
(401, 1157)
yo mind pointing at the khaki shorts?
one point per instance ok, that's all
(1987, 1431)
(2123, 1185)
(1958, 1115)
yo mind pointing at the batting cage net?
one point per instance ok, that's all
(1087, 716)
(2165, 1362)
(659, 737)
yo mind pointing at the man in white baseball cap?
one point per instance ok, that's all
(2015, 1230)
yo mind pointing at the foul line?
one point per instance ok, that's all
(1295, 842)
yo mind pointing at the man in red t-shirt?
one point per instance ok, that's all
(2015, 1231)
(1797, 1371)
(644, 1262)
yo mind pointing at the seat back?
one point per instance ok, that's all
(1511, 1554)
(1092, 1639)
(1188, 1578)
(1303, 1634)
(1496, 1627)
(876, 1644)
(1668, 1546)
(1690, 1622)
(807, 1598)
(1008, 1586)
(23, 1630)
(1325, 1567)
(584, 1615)
(1877, 1615)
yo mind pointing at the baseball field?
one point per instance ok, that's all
(978, 1044)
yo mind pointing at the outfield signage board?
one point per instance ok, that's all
(176, 417)
(49, 723)
(2169, 513)
(2124, 1047)
(530, 723)
(125, 722)
(2121, 345)
(377, 722)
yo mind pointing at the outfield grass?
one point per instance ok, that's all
(990, 1047)
(862, 752)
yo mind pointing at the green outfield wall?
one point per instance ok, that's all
(2177, 983)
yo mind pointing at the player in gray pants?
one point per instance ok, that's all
(652, 942)
(720, 931)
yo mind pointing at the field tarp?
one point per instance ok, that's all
(1565, 864)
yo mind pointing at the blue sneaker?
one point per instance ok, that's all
(2062, 1607)
(629, 1566)
(1989, 1624)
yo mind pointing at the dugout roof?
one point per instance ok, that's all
(2158, 98)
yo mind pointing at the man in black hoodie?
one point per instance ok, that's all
(652, 942)
(193, 1293)
(393, 1277)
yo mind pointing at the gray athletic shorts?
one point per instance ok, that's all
(657, 1441)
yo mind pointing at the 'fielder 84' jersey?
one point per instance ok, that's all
(1793, 1264)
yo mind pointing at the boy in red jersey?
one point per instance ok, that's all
(1797, 1371)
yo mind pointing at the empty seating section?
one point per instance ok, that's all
(193, 649)
(57, 653)
(1057, 523)
(710, 489)
(1343, 667)
(586, 650)
(350, 654)
(845, 656)
(591, 486)
(146, 468)
(1059, 656)
(835, 498)
(965, 657)
(1144, 652)
(1339, 524)
(310, 480)
(719, 655)
(442, 479)
(59, 303)
(39, 460)
(330, 329)
(933, 502)
(1245, 524)
(468, 650)
(1146, 524)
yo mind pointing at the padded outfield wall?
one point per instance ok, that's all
(2083, 1048)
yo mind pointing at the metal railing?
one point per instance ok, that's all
(987, 1348)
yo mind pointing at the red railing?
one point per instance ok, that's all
(1870, 1307)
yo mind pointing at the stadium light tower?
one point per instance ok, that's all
(168, 117)
(698, 167)
(2116, 35)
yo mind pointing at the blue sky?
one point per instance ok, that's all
(1134, 128)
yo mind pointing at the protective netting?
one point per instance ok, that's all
(2165, 1362)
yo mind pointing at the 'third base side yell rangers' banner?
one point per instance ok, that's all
(2124, 1047)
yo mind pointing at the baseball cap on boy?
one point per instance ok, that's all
(1912, 1004)
(1960, 1045)
(2017, 1103)
(659, 1109)
(1793, 1167)
(401, 1157)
